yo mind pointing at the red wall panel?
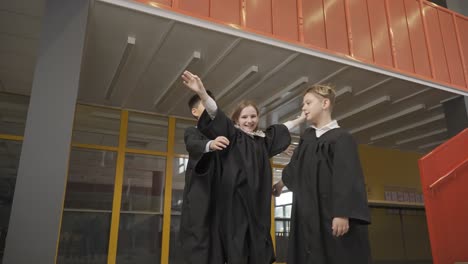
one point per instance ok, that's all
(417, 38)
(199, 7)
(360, 29)
(444, 177)
(451, 48)
(258, 15)
(399, 29)
(437, 46)
(462, 24)
(335, 26)
(226, 10)
(314, 23)
(379, 29)
(285, 19)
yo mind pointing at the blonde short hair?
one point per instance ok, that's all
(326, 91)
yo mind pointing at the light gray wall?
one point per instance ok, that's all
(459, 6)
(40, 186)
(456, 115)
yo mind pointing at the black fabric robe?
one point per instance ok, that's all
(243, 198)
(326, 179)
(198, 202)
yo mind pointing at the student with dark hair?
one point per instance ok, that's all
(198, 197)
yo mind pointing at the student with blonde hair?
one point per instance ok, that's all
(243, 199)
(330, 214)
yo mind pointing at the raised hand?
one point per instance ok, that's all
(219, 143)
(289, 151)
(193, 82)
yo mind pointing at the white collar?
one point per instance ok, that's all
(320, 131)
(258, 133)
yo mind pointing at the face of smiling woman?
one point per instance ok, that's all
(248, 119)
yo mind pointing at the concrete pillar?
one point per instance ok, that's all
(34, 225)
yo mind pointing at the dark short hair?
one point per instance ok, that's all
(195, 100)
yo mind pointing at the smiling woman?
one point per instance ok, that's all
(242, 201)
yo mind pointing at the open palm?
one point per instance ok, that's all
(193, 82)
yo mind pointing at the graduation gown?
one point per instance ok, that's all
(326, 179)
(198, 203)
(243, 198)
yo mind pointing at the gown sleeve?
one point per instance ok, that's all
(277, 139)
(194, 143)
(220, 125)
(349, 194)
(289, 173)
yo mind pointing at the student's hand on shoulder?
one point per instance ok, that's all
(289, 151)
(193, 82)
(219, 143)
(340, 226)
(277, 189)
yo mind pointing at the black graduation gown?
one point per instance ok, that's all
(243, 199)
(326, 179)
(198, 203)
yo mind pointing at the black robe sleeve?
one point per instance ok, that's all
(277, 139)
(349, 194)
(289, 172)
(194, 142)
(221, 125)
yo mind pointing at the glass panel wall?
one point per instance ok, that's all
(147, 132)
(90, 182)
(13, 112)
(9, 160)
(178, 184)
(96, 126)
(140, 229)
(84, 237)
(85, 225)
(181, 125)
(283, 205)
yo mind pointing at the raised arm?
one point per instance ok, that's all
(194, 83)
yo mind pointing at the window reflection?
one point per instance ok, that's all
(139, 239)
(178, 184)
(84, 238)
(91, 178)
(96, 125)
(9, 161)
(143, 183)
(13, 112)
(181, 125)
(147, 132)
